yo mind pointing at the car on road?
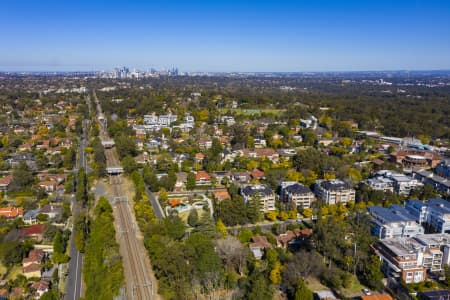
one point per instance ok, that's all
(366, 292)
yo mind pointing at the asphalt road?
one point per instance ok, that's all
(159, 213)
(74, 282)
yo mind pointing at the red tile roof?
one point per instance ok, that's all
(11, 212)
(202, 175)
(222, 194)
(199, 156)
(33, 229)
(257, 174)
(33, 267)
(6, 180)
(35, 256)
(40, 285)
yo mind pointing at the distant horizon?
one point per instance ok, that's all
(218, 71)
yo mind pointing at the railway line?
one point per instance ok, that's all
(140, 285)
(139, 278)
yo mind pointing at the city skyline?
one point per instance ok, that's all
(225, 36)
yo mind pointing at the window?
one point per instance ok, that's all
(418, 276)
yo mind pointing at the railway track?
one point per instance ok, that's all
(140, 286)
(138, 275)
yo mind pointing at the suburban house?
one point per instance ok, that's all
(35, 232)
(204, 143)
(296, 192)
(257, 174)
(289, 238)
(30, 217)
(16, 293)
(60, 178)
(262, 153)
(259, 143)
(261, 192)
(199, 157)
(5, 182)
(334, 191)
(202, 178)
(241, 177)
(31, 265)
(10, 212)
(258, 245)
(48, 186)
(51, 210)
(40, 287)
(221, 194)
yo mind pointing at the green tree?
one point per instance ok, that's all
(372, 273)
(58, 243)
(254, 209)
(221, 228)
(302, 292)
(102, 265)
(125, 146)
(190, 181)
(206, 226)
(69, 158)
(245, 235)
(260, 289)
(129, 164)
(80, 232)
(447, 275)
(22, 177)
(150, 178)
(193, 218)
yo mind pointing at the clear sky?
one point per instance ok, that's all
(216, 35)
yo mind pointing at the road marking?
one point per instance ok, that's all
(76, 277)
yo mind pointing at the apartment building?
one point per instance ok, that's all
(394, 222)
(296, 192)
(334, 191)
(443, 168)
(401, 258)
(434, 213)
(380, 184)
(401, 183)
(439, 183)
(411, 258)
(262, 192)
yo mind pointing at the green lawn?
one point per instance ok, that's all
(354, 289)
(14, 272)
(315, 285)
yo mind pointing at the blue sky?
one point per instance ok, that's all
(215, 35)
